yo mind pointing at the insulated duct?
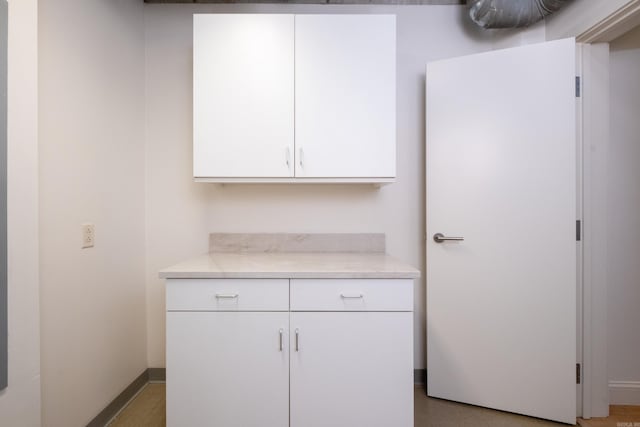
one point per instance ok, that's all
(511, 13)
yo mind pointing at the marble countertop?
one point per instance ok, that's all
(292, 265)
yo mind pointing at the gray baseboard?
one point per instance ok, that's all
(110, 411)
(419, 376)
(157, 375)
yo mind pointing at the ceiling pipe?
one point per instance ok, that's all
(511, 13)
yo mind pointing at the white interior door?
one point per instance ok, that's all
(501, 173)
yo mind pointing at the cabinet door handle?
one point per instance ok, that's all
(297, 339)
(226, 296)
(301, 159)
(288, 157)
(281, 334)
(358, 296)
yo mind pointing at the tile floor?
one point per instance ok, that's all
(148, 410)
(431, 412)
(620, 416)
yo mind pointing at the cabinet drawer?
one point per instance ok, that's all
(352, 295)
(227, 295)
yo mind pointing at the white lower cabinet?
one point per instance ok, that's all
(227, 369)
(351, 369)
(333, 363)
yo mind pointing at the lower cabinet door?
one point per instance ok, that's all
(351, 369)
(227, 369)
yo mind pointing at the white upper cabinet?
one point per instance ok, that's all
(345, 96)
(243, 95)
(304, 98)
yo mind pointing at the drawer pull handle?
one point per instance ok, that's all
(226, 296)
(281, 333)
(358, 296)
(297, 339)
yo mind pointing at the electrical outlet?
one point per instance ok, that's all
(88, 235)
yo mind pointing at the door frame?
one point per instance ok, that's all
(593, 115)
(595, 131)
(594, 128)
(580, 246)
(612, 26)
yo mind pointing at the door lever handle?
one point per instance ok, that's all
(439, 238)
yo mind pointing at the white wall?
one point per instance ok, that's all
(92, 160)
(579, 16)
(624, 222)
(20, 402)
(180, 213)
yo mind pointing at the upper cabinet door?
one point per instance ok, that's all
(243, 80)
(345, 96)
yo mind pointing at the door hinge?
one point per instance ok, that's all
(578, 374)
(578, 87)
(578, 230)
